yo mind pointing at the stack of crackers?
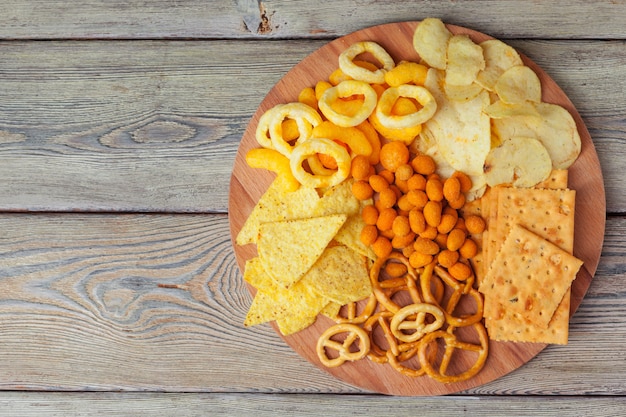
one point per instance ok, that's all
(527, 266)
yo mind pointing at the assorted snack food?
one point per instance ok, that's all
(421, 205)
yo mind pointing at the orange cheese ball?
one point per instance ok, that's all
(423, 164)
(386, 218)
(460, 271)
(382, 247)
(369, 213)
(451, 189)
(469, 249)
(369, 234)
(387, 197)
(378, 182)
(401, 226)
(360, 168)
(456, 239)
(394, 154)
(418, 260)
(362, 190)
(474, 224)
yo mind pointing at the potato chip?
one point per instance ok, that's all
(430, 41)
(289, 248)
(340, 275)
(555, 128)
(518, 84)
(499, 57)
(462, 92)
(277, 204)
(518, 161)
(464, 61)
(461, 130)
(501, 110)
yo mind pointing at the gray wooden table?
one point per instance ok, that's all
(119, 123)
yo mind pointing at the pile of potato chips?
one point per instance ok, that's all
(490, 122)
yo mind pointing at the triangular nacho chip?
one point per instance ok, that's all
(277, 204)
(289, 248)
(340, 275)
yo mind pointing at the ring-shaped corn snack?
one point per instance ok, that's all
(262, 132)
(389, 97)
(273, 160)
(351, 136)
(343, 348)
(325, 146)
(305, 117)
(343, 90)
(350, 68)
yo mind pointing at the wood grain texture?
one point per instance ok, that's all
(244, 405)
(154, 126)
(134, 19)
(136, 106)
(156, 302)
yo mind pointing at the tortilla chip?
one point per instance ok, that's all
(274, 302)
(277, 204)
(341, 275)
(289, 248)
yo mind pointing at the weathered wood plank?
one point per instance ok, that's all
(154, 126)
(156, 302)
(288, 19)
(244, 405)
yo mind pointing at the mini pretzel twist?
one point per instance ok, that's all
(414, 318)
(343, 349)
(451, 344)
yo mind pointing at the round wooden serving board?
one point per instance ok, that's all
(247, 185)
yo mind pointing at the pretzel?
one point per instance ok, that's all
(351, 315)
(344, 349)
(451, 344)
(410, 352)
(413, 317)
(381, 319)
(385, 289)
(347, 89)
(460, 289)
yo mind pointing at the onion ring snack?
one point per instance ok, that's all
(325, 146)
(347, 89)
(389, 97)
(347, 65)
(306, 119)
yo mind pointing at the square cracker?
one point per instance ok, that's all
(512, 327)
(546, 212)
(529, 276)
